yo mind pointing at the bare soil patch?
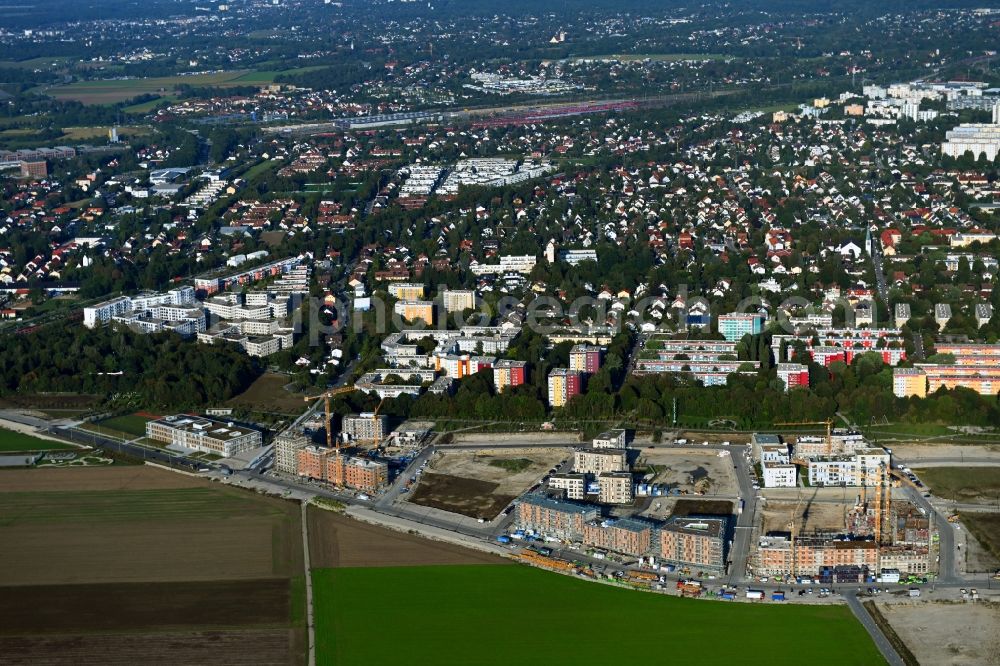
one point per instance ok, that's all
(948, 633)
(153, 551)
(469, 497)
(692, 507)
(339, 541)
(95, 478)
(479, 484)
(237, 648)
(143, 606)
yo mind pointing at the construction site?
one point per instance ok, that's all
(872, 537)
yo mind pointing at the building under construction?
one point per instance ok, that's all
(879, 533)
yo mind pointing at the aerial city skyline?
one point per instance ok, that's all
(451, 333)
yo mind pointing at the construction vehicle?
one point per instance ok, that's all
(326, 404)
(829, 430)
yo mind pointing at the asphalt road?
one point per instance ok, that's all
(881, 642)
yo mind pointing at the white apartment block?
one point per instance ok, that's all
(841, 471)
(575, 485)
(979, 139)
(612, 439)
(779, 475)
(458, 300)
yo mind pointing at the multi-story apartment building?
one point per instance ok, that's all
(984, 313)
(827, 345)
(775, 556)
(457, 366)
(413, 310)
(861, 468)
(779, 475)
(407, 291)
(694, 542)
(942, 314)
(323, 464)
(909, 382)
(597, 461)
(983, 380)
(615, 488)
(612, 439)
(735, 325)
(364, 427)
(585, 358)
(203, 434)
(561, 519)
(458, 300)
(310, 461)
(509, 374)
(793, 375)
(978, 138)
(564, 384)
(104, 312)
(768, 448)
(213, 285)
(573, 485)
(286, 451)
(629, 536)
(902, 314)
(834, 471)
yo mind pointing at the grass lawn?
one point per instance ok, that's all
(986, 528)
(15, 442)
(267, 394)
(914, 429)
(477, 614)
(131, 424)
(962, 483)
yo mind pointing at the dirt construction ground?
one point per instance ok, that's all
(339, 541)
(949, 634)
(808, 517)
(691, 471)
(479, 484)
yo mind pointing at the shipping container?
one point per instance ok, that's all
(755, 594)
(777, 596)
(503, 538)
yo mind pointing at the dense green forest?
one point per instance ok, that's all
(156, 371)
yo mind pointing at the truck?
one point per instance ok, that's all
(755, 594)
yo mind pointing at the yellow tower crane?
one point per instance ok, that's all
(375, 437)
(332, 393)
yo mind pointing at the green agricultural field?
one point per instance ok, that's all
(471, 614)
(963, 484)
(15, 442)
